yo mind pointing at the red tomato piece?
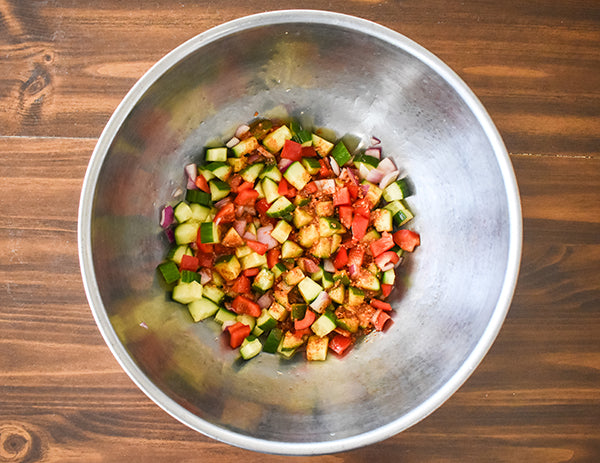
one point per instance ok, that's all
(380, 319)
(339, 343)
(385, 243)
(189, 263)
(205, 259)
(285, 189)
(251, 272)
(309, 152)
(345, 213)
(225, 214)
(341, 259)
(262, 206)
(246, 197)
(353, 190)
(341, 197)
(408, 240)
(241, 285)
(363, 207)
(385, 259)
(359, 226)
(325, 168)
(355, 257)
(245, 186)
(377, 304)
(273, 256)
(202, 184)
(310, 188)
(292, 150)
(309, 318)
(386, 289)
(257, 246)
(241, 304)
(203, 247)
(237, 333)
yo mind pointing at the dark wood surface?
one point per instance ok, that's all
(64, 67)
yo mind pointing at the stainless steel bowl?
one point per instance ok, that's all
(354, 77)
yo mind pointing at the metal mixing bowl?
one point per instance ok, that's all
(355, 78)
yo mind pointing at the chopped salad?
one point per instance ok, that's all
(289, 240)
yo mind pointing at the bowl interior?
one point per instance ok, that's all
(325, 71)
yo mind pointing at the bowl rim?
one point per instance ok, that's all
(177, 411)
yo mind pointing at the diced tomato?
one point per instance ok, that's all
(237, 333)
(339, 343)
(387, 260)
(359, 226)
(225, 214)
(386, 289)
(309, 152)
(246, 186)
(309, 318)
(310, 188)
(408, 240)
(363, 207)
(189, 263)
(380, 319)
(377, 304)
(246, 197)
(292, 150)
(385, 243)
(345, 213)
(343, 332)
(303, 332)
(241, 304)
(262, 206)
(273, 256)
(285, 189)
(251, 272)
(205, 259)
(341, 259)
(202, 184)
(203, 247)
(257, 246)
(353, 190)
(325, 168)
(241, 285)
(341, 197)
(235, 182)
(356, 256)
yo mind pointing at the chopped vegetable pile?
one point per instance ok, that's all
(288, 240)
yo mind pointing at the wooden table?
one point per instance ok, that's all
(64, 67)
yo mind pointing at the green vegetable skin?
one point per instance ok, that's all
(324, 272)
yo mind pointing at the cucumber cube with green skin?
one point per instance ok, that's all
(294, 276)
(186, 232)
(272, 172)
(278, 269)
(374, 192)
(250, 348)
(309, 289)
(329, 226)
(301, 218)
(182, 212)
(312, 165)
(213, 293)
(289, 343)
(337, 294)
(278, 311)
(209, 233)
(228, 267)
(251, 173)
(366, 280)
(308, 235)
(200, 213)
(202, 308)
(297, 175)
(263, 281)
(176, 253)
(253, 260)
(324, 325)
(223, 315)
(327, 280)
(169, 271)
(389, 277)
(370, 236)
(245, 146)
(275, 140)
(242, 251)
(265, 322)
(187, 276)
(297, 311)
(399, 211)
(382, 220)
(218, 189)
(322, 146)
(290, 250)
(399, 189)
(273, 340)
(282, 231)
(198, 196)
(185, 293)
(237, 164)
(247, 320)
(280, 208)
(221, 170)
(348, 324)
(336, 240)
(341, 154)
(322, 248)
(316, 348)
(355, 296)
(216, 154)
(300, 201)
(270, 189)
(369, 161)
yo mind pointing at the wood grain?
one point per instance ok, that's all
(66, 65)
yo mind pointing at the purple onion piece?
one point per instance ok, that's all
(265, 300)
(388, 179)
(167, 217)
(375, 152)
(375, 175)
(170, 233)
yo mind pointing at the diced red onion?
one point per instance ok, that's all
(283, 164)
(375, 175)
(352, 269)
(191, 185)
(363, 171)
(249, 236)
(388, 266)
(232, 142)
(321, 302)
(374, 151)
(143, 325)
(326, 185)
(227, 324)
(167, 216)
(365, 189)
(240, 226)
(375, 141)
(205, 276)
(239, 211)
(399, 262)
(191, 171)
(222, 202)
(310, 266)
(387, 165)
(170, 234)
(334, 166)
(265, 300)
(263, 235)
(352, 175)
(328, 265)
(388, 179)
(253, 158)
(241, 130)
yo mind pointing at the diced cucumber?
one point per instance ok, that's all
(250, 347)
(366, 280)
(271, 171)
(221, 170)
(182, 212)
(399, 189)
(186, 232)
(177, 252)
(282, 231)
(348, 324)
(324, 325)
(245, 146)
(289, 344)
(228, 267)
(275, 140)
(218, 190)
(301, 218)
(232, 239)
(202, 308)
(336, 240)
(297, 311)
(308, 235)
(342, 277)
(187, 276)
(270, 189)
(369, 161)
(265, 322)
(341, 154)
(337, 294)
(242, 251)
(278, 311)
(280, 207)
(355, 296)
(382, 220)
(289, 249)
(237, 164)
(373, 194)
(299, 135)
(318, 275)
(278, 269)
(200, 213)
(247, 320)
(169, 271)
(329, 226)
(294, 276)
(300, 201)
(316, 348)
(273, 340)
(297, 175)
(209, 233)
(389, 277)
(223, 315)
(370, 236)
(213, 293)
(312, 165)
(251, 173)
(327, 280)
(399, 211)
(322, 146)
(187, 292)
(216, 154)
(198, 196)
(309, 289)
(263, 281)
(253, 260)
(324, 208)
(322, 248)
